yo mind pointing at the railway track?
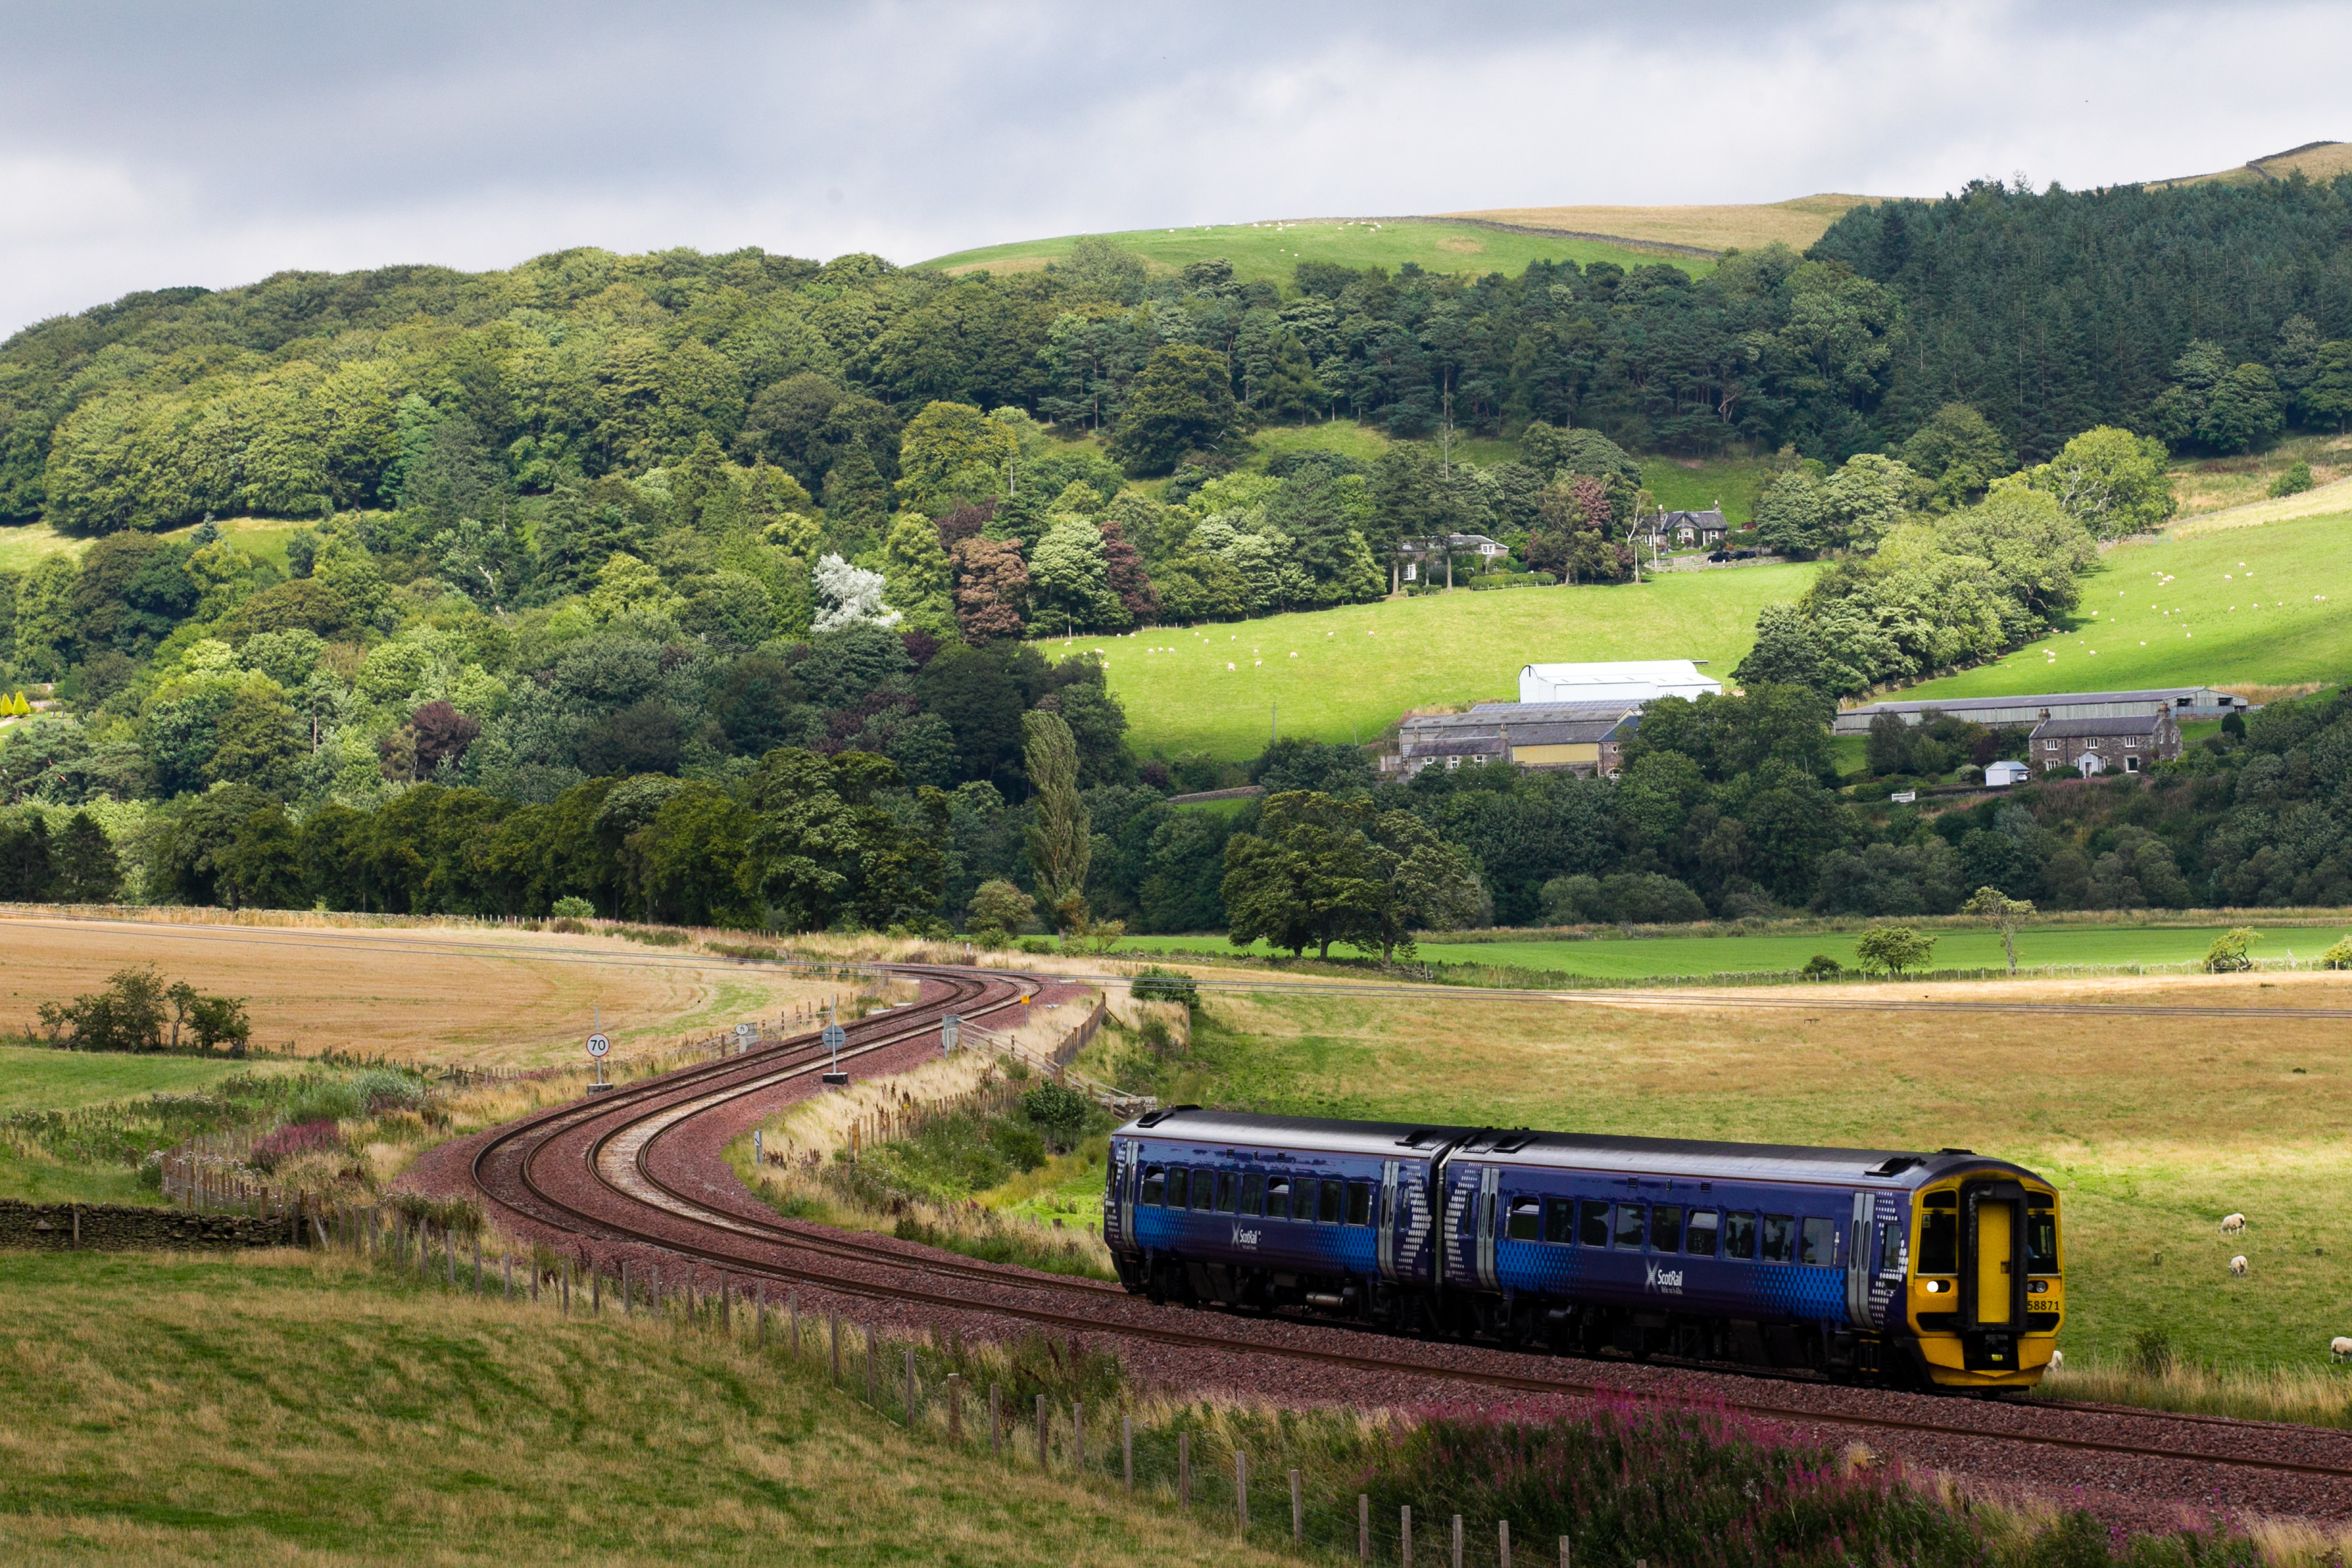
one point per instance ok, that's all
(591, 1172)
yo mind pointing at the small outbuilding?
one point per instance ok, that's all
(2000, 775)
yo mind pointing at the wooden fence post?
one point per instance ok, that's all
(1457, 1541)
(1040, 1432)
(595, 1291)
(1363, 1527)
(508, 1260)
(955, 1407)
(1078, 1432)
(836, 1350)
(1127, 1449)
(995, 1419)
(1503, 1544)
(449, 1244)
(727, 1305)
(1240, 1492)
(762, 1313)
(911, 1388)
(870, 1364)
(1298, 1511)
(1404, 1536)
(627, 1307)
(1183, 1472)
(477, 1265)
(1564, 1552)
(793, 1318)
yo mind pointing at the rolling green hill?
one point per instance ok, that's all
(1350, 673)
(2263, 607)
(1270, 251)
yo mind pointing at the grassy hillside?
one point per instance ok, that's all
(1745, 227)
(291, 1410)
(2269, 606)
(1673, 957)
(1271, 250)
(2313, 161)
(1350, 673)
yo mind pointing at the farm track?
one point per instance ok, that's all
(637, 1175)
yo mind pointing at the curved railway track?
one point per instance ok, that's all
(591, 1172)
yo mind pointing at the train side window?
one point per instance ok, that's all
(1278, 1197)
(1254, 1193)
(1818, 1245)
(1698, 1234)
(1780, 1238)
(1527, 1219)
(1940, 1242)
(1335, 1203)
(1302, 1199)
(1204, 1190)
(2041, 1240)
(1360, 1202)
(1179, 1192)
(1665, 1229)
(1739, 1235)
(1596, 1224)
(1559, 1221)
(1629, 1224)
(1155, 1184)
(1229, 1191)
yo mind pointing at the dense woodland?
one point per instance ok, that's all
(696, 587)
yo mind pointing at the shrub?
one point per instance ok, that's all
(574, 908)
(1036, 944)
(380, 1089)
(327, 1099)
(1153, 983)
(998, 910)
(1058, 1110)
(2152, 1352)
(1821, 966)
(2294, 481)
(2337, 957)
(295, 1138)
(2228, 954)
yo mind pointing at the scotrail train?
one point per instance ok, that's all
(1935, 1269)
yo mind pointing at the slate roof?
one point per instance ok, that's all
(2077, 729)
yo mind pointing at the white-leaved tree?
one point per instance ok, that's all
(849, 595)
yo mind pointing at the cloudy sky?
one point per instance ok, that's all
(146, 144)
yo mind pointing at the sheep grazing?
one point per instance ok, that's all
(2057, 1360)
(2339, 1348)
(2232, 1224)
(2238, 1264)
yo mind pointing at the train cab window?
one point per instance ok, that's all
(1254, 1193)
(1940, 1235)
(1596, 1224)
(1629, 1224)
(1698, 1234)
(1335, 1203)
(1360, 1202)
(1179, 1192)
(1155, 1184)
(1278, 1197)
(1739, 1235)
(1204, 1190)
(1818, 1243)
(1665, 1229)
(1527, 1219)
(1780, 1238)
(1229, 1191)
(2041, 1240)
(1559, 1221)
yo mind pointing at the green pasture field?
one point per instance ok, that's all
(1272, 251)
(297, 1409)
(2152, 1128)
(2262, 606)
(1672, 957)
(1358, 667)
(35, 1078)
(25, 545)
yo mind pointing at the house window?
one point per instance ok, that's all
(2049, 745)
(2131, 764)
(2131, 742)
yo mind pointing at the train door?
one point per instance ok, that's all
(1490, 1183)
(1992, 1274)
(1385, 1243)
(1119, 1223)
(1858, 1261)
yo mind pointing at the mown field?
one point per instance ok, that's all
(2267, 606)
(25, 544)
(2153, 1128)
(407, 992)
(1744, 226)
(1350, 673)
(287, 1409)
(1667, 957)
(1271, 251)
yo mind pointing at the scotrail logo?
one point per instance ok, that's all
(1244, 1237)
(1665, 1281)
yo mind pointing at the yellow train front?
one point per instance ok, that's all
(1986, 1290)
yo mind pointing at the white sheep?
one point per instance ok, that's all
(2340, 1348)
(2232, 1224)
(2238, 1264)
(2057, 1360)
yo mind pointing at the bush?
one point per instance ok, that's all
(1893, 948)
(2294, 481)
(2228, 954)
(1057, 1110)
(329, 1099)
(2337, 957)
(1153, 983)
(1036, 944)
(1821, 966)
(380, 1089)
(998, 910)
(2152, 1353)
(574, 908)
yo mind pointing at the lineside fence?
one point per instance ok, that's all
(1007, 1404)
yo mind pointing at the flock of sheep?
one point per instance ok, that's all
(2340, 1347)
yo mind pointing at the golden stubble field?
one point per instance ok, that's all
(2152, 1127)
(409, 992)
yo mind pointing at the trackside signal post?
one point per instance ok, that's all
(834, 1036)
(951, 1033)
(598, 1045)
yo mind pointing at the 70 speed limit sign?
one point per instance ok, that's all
(598, 1045)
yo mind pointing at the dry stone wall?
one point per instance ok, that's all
(119, 1228)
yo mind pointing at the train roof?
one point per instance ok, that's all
(1684, 1157)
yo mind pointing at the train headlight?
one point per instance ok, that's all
(1937, 1287)
(2037, 1286)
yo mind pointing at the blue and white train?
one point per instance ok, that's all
(1940, 1269)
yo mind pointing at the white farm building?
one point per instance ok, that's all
(1632, 682)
